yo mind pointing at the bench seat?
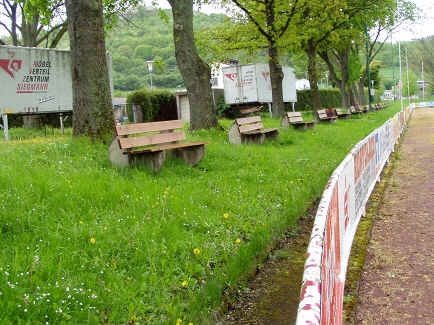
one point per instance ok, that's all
(149, 142)
(323, 116)
(296, 120)
(250, 130)
(343, 114)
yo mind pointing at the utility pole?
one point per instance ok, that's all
(150, 66)
(368, 72)
(400, 74)
(408, 80)
(423, 84)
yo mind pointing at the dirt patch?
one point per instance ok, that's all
(273, 295)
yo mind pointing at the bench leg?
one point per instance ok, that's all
(299, 126)
(284, 124)
(191, 155)
(116, 155)
(154, 159)
(272, 134)
(257, 138)
(234, 134)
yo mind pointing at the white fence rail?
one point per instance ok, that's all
(341, 206)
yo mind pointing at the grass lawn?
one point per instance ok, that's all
(84, 243)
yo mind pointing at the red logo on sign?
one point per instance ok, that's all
(265, 74)
(11, 66)
(231, 76)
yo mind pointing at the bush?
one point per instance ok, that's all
(155, 105)
(328, 97)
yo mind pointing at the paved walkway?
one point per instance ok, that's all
(397, 281)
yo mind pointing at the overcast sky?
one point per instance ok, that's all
(423, 27)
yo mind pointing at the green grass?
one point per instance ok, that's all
(85, 243)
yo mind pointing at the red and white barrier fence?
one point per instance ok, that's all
(341, 206)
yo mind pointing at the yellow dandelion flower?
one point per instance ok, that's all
(105, 228)
(196, 251)
(238, 241)
(80, 222)
(184, 283)
(92, 240)
(225, 215)
(191, 323)
(179, 321)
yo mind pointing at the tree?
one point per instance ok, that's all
(338, 29)
(385, 17)
(272, 19)
(28, 23)
(320, 20)
(194, 70)
(92, 105)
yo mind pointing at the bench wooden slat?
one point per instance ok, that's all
(248, 120)
(128, 129)
(169, 146)
(251, 127)
(293, 114)
(153, 139)
(296, 119)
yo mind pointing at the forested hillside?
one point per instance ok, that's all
(414, 52)
(146, 34)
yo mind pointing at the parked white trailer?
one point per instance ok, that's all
(35, 80)
(251, 83)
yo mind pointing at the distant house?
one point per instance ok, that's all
(302, 84)
(120, 108)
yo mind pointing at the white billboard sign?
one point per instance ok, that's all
(35, 80)
(251, 83)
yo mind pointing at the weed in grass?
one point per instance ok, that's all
(83, 242)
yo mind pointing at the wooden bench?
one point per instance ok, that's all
(296, 120)
(344, 114)
(355, 111)
(250, 130)
(323, 116)
(148, 143)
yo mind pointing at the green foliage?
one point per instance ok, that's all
(329, 98)
(150, 101)
(147, 35)
(374, 69)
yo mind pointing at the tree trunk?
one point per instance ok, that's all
(14, 35)
(313, 76)
(345, 76)
(276, 78)
(92, 104)
(362, 97)
(195, 72)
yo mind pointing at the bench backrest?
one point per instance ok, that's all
(247, 124)
(322, 113)
(294, 117)
(341, 111)
(148, 134)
